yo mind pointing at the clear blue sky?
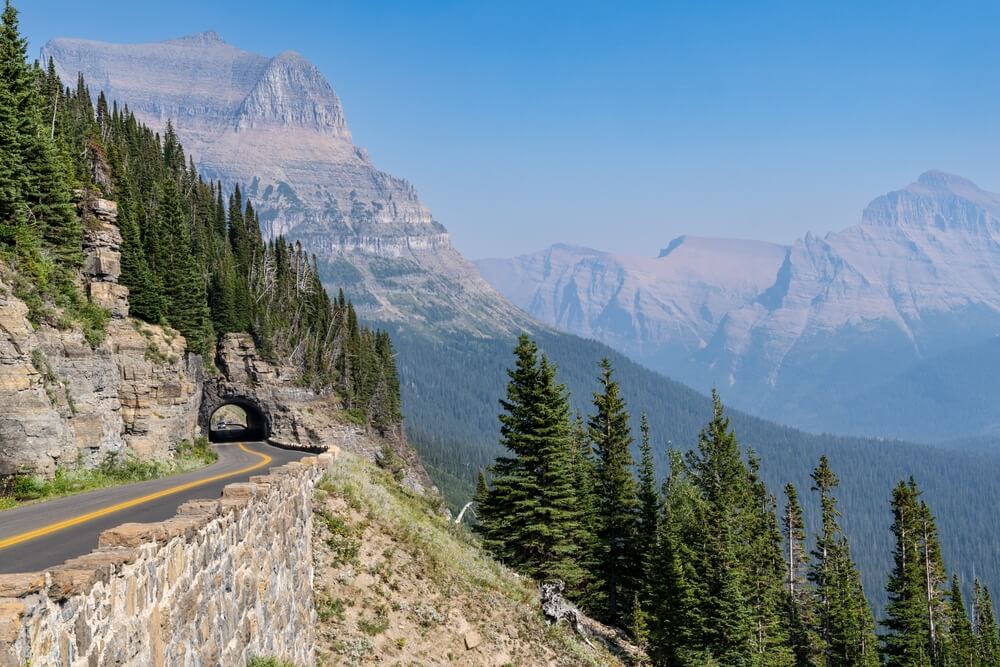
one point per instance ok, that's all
(623, 125)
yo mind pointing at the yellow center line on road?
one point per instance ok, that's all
(83, 518)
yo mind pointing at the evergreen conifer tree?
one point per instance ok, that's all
(649, 500)
(531, 513)
(186, 300)
(771, 638)
(617, 503)
(723, 545)
(843, 619)
(799, 604)
(917, 597)
(33, 188)
(960, 647)
(676, 589)
(987, 639)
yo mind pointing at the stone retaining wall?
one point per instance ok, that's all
(220, 582)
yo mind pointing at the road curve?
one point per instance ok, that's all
(38, 536)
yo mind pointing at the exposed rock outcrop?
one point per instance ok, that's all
(295, 415)
(276, 127)
(66, 402)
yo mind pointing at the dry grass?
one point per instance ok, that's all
(398, 584)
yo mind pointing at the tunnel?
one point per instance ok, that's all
(237, 420)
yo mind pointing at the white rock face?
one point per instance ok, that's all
(781, 330)
(276, 127)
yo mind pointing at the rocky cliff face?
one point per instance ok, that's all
(65, 401)
(782, 330)
(68, 403)
(276, 127)
(298, 417)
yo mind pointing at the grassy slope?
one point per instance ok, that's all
(398, 584)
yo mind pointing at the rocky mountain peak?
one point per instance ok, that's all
(937, 200)
(197, 39)
(943, 181)
(292, 92)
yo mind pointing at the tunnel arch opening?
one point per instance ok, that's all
(237, 419)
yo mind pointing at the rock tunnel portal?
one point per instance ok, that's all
(236, 419)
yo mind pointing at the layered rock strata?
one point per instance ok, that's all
(275, 126)
(296, 416)
(67, 403)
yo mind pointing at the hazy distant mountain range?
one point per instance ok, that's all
(883, 328)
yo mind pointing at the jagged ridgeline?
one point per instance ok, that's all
(191, 256)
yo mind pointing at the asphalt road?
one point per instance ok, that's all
(34, 537)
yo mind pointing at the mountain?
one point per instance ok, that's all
(790, 333)
(276, 127)
(656, 309)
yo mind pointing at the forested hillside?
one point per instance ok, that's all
(192, 256)
(707, 570)
(451, 387)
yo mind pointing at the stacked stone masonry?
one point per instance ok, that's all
(220, 582)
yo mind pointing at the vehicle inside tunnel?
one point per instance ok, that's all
(237, 420)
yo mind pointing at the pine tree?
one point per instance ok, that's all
(987, 639)
(649, 500)
(843, 619)
(34, 195)
(798, 604)
(35, 174)
(771, 638)
(617, 502)
(676, 589)
(585, 481)
(145, 291)
(722, 478)
(531, 512)
(959, 649)
(186, 300)
(917, 597)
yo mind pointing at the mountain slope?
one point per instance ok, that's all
(452, 420)
(833, 317)
(276, 127)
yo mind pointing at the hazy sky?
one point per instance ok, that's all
(622, 125)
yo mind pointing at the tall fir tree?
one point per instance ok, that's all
(677, 591)
(771, 636)
(914, 614)
(531, 512)
(843, 619)
(186, 300)
(987, 639)
(649, 499)
(959, 649)
(617, 559)
(800, 618)
(723, 544)
(32, 176)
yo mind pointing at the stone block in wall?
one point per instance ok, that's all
(110, 296)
